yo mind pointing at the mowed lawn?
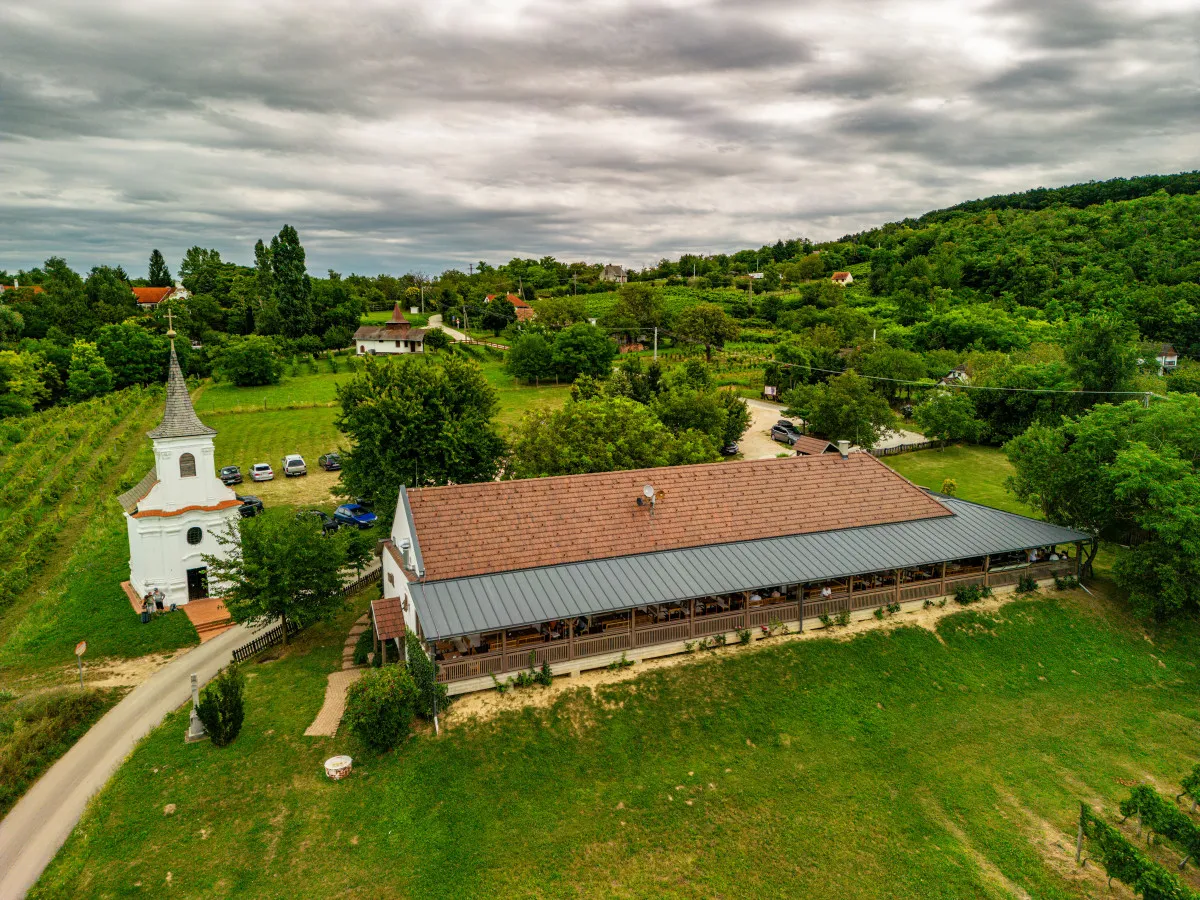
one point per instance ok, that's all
(897, 764)
(979, 471)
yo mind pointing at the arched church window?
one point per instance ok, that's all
(187, 466)
(194, 535)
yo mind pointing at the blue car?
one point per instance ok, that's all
(353, 514)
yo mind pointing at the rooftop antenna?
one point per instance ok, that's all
(648, 495)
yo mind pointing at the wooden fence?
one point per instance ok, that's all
(273, 636)
(903, 448)
(268, 638)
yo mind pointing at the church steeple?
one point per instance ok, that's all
(179, 418)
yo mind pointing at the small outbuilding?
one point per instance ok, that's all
(842, 278)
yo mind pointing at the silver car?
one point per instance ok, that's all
(293, 465)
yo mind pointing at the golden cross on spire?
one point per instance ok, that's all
(170, 325)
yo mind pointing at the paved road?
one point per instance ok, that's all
(435, 321)
(38, 825)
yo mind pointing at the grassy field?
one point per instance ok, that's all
(302, 390)
(900, 764)
(979, 471)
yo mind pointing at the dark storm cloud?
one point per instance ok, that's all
(429, 134)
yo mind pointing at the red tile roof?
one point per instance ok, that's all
(811, 446)
(840, 276)
(389, 617)
(473, 529)
(36, 288)
(152, 294)
(513, 299)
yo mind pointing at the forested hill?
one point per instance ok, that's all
(1088, 193)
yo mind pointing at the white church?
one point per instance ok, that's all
(174, 514)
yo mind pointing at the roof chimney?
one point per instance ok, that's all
(844, 449)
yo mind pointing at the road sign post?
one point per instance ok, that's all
(80, 649)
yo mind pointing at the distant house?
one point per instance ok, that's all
(396, 335)
(15, 286)
(842, 278)
(150, 297)
(1167, 358)
(957, 375)
(614, 273)
(756, 275)
(525, 312)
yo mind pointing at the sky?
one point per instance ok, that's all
(417, 136)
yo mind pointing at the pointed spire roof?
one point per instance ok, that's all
(398, 317)
(179, 418)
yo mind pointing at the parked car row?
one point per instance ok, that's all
(293, 467)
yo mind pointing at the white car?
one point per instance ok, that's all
(293, 464)
(261, 472)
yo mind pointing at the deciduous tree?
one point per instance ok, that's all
(285, 567)
(583, 349)
(706, 324)
(843, 408)
(417, 422)
(948, 415)
(88, 376)
(292, 286)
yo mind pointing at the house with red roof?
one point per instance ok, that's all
(577, 571)
(150, 297)
(396, 335)
(842, 278)
(525, 312)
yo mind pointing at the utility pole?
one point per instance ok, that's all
(470, 268)
(656, 343)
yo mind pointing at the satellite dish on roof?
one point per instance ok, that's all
(648, 491)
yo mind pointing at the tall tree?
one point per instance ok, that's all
(159, 275)
(293, 288)
(843, 408)
(949, 416)
(1101, 352)
(135, 355)
(88, 375)
(266, 310)
(706, 324)
(285, 567)
(583, 349)
(413, 422)
(602, 435)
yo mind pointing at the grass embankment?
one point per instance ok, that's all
(900, 764)
(36, 731)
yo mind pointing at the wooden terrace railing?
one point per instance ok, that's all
(621, 636)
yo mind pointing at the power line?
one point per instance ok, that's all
(959, 385)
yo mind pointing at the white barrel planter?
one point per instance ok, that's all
(338, 767)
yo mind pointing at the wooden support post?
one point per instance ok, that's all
(943, 579)
(897, 585)
(987, 565)
(633, 628)
(1078, 554)
(571, 639)
(801, 601)
(692, 618)
(504, 650)
(746, 612)
(850, 594)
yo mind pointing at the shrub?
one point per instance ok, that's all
(719, 640)
(221, 708)
(689, 646)
(617, 664)
(379, 707)
(545, 676)
(431, 696)
(928, 604)
(967, 594)
(879, 613)
(744, 636)
(364, 647)
(843, 618)
(825, 620)
(502, 687)
(1065, 582)
(251, 360)
(1027, 585)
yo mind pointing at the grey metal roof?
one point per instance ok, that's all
(136, 494)
(179, 417)
(512, 599)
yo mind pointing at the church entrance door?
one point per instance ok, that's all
(197, 583)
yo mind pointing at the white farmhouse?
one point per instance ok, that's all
(174, 514)
(396, 335)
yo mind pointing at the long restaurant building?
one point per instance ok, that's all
(578, 570)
